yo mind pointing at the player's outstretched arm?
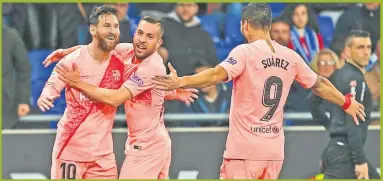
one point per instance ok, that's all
(114, 97)
(58, 54)
(205, 78)
(325, 89)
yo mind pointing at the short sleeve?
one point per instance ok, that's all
(141, 80)
(54, 85)
(305, 76)
(234, 64)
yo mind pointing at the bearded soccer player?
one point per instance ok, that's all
(262, 72)
(148, 148)
(83, 148)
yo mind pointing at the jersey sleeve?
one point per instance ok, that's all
(304, 75)
(54, 85)
(140, 80)
(235, 63)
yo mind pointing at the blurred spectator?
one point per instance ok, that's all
(35, 23)
(366, 18)
(125, 23)
(16, 78)
(186, 44)
(325, 63)
(373, 79)
(159, 10)
(71, 16)
(213, 99)
(333, 10)
(305, 37)
(280, 31)
(319, 7)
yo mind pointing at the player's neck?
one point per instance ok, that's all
(258, 35)
(97, 54)
(136, 60)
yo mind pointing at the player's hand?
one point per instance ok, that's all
(187, 95)
(356, 110)
(55, 56)
(361, 171)
(71, 76)
(23, 110)
(45, 103)
(167, 82)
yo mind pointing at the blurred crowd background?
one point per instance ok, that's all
(197, 36)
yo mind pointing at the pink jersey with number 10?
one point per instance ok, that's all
(261, 84)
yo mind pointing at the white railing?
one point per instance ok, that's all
(182, 117)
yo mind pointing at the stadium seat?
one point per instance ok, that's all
(233, 36)
(38, 71)
(234, 8)
(133, 11)
(326, 27)
(277, 8)
(210, 24)
(222, 53)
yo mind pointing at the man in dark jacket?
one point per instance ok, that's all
(366, 18)
(186, 44)
(16, 78)
(344, 157)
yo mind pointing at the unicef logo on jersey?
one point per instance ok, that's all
(231, 60)
(268, 130)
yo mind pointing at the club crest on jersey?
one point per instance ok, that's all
(116, 74)
(353, 85)
(231, 60)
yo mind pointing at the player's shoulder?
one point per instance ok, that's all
(9, 30)
(76, 55)
(349, 71)
(153, 64)
(241, 50)
(241, 47)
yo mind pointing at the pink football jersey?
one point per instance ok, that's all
(261, 84)
(84, 131)
(144, 112)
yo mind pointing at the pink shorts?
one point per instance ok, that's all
(154, 166)
(104, 168)
(249, 169)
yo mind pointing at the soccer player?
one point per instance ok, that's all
(262, 72)
(344, 157)
(148, 147)
(87, 151)
(83, 148)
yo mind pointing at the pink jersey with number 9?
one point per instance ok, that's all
(261, 84)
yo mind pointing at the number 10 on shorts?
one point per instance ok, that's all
(68, 171)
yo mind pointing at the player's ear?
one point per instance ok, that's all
(159, 43)
(347, 51)
(92, 30)
(244, 24)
